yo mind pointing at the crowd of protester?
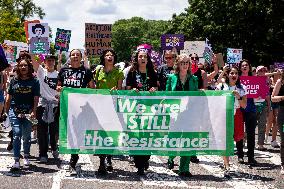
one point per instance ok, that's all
(29, 95)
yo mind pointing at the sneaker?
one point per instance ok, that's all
(102, 170)
(194, 159)
(140, 172)
(252, 162)
(55, 154)
(185, 174)
(146, 167)
(15, 166)
(227, 173)
(10, 146)
(72, 171)
(26, 161)
(261, 148)
(109, 166)
(274, 144)
(171, 164)
(241, 160)
(43, 160)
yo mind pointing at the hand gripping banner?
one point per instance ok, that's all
(160, 123)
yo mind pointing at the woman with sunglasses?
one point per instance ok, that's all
(197, 70)
(232, 83)
(166, 69)
(141, 77)
(182, 80)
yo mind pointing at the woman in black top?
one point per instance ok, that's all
(278, 96)
(142, 77)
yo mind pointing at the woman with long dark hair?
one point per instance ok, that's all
(249, 115)
(142, 77)
(24, 89)
(108, 77)
(233, 83)
(278, 96)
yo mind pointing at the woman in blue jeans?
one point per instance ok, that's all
(24, 89)
(278, 96)
(249, 115)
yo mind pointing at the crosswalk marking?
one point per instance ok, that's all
(158, 175)
(213, 166)
(161, 176)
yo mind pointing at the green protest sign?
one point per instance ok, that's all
(161, 123)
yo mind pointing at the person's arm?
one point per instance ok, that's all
(7, 104)
(273, 73)
(91, 84)
(35, 61)
(205, 79)
(275, 92)
(216, 69)
(58, 67)
(243, 101)
(4, 81)
(119, 84)
(35, 104)
(86, 61)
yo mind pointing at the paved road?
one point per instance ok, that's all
(207, 174)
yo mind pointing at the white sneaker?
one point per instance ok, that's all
(16, 166)
(26, 161)
(55, 154)
(43, 160)
(274, 144)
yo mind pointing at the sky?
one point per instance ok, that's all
(73, 14)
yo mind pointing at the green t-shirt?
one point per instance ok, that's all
(107, 80)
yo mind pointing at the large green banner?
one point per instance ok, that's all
(143, 123)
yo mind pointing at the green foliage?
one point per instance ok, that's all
(127, 34)
(13, 13)
(255, 26)
(94, 60)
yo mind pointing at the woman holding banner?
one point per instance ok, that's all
(278, 96)
(182, 80)
(75, 76)
(142, 77)
(249, 115)
(108, 77)
(233, 83)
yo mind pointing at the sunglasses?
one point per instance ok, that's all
(23, 65)
(194, 58)
(168, 58)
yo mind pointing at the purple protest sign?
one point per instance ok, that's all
(168, 41)
(156, 58)
(3, 61)
(279, 65)
(256, 86)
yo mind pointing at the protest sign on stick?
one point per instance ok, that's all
(256, 86)
(234, 56)
(62, 39)
(97, 38)
(169, 41)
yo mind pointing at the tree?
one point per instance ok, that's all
(255, 26)
(127, 34)
(13, 13)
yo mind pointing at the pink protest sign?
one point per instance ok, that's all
(256, 86)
